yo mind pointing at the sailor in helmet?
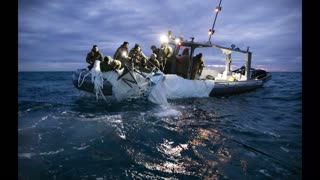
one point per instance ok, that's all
(110, 64)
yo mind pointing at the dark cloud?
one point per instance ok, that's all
(60, 33)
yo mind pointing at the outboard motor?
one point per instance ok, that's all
(258, 74)
(240, 70)
(255, 73)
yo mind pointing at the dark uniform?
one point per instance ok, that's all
(183, 63)
(197, 65)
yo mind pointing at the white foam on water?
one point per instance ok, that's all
(82, 147)
(119, 130)
(284, 149)
(37, 107)
(35, 124)
(118, 124)
(103, 118)
(20, 129)
(168, 167)
(173, 151)
(175, 164)
(30, 154)
(51, 152)
(168, 113)
(26, 155)
(264, 172)
(39, 137)
(272, 134)
(122, 135)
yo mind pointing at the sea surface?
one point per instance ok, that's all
(64, 133)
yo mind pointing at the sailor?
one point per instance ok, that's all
(144, 67)
(183, 63)
(109, 64)
(155, 50)
(197, 66)
(165, 55)
(153, 61)
(136, 56)
(121, 53)
(93, 55)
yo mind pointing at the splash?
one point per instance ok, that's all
(168, 112)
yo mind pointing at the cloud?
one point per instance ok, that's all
(64, 31)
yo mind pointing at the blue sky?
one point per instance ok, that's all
(56, 35)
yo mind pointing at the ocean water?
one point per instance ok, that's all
(64, 133)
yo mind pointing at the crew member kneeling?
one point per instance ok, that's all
(109, 64)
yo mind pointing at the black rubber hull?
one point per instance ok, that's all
(84, 83)
(221, 88)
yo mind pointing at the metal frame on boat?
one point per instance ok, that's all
(223, 85)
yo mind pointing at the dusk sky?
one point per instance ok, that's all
(56, 35)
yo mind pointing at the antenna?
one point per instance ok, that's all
(211, 31)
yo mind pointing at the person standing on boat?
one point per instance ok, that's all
(137, 56)
(93, 55)
(165, 55)
(197, 66)
(183, 63)
(121, 53)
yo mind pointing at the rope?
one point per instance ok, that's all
(80, 83)
(97, 80)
